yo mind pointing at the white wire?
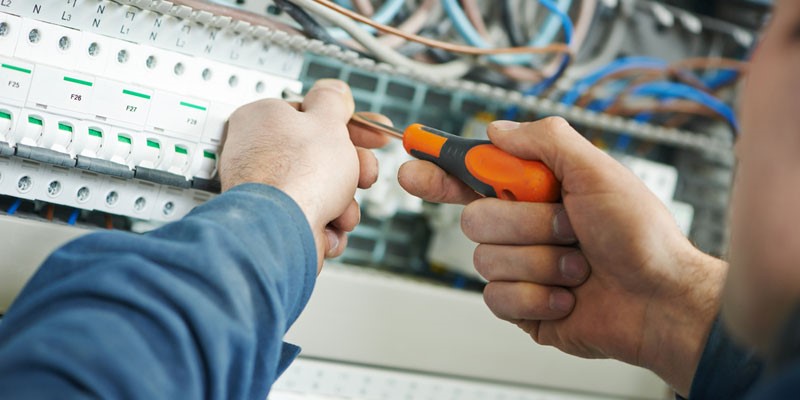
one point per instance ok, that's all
(529, 10)
(583, 25)
(608, 53)
(450, 70)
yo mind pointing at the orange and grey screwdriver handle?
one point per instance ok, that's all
(483, 166)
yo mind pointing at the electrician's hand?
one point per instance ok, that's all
(307, 151)
(605, 274)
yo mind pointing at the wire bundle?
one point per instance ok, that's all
(362, 30)
(674, 88)
(531, 43)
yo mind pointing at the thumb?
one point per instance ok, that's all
(331, 100)
(552, 141)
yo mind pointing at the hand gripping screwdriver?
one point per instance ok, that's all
(481, 165)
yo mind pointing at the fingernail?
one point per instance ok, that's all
(334, 84)
(573, 266)
(562, 228)
(561, 301)
(333, 242)
(505, 125)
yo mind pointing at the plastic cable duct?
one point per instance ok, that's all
(667, 136)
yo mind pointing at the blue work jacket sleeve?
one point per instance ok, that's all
(726, 370)
(195, 309)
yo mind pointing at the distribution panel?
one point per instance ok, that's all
(98, 122)
(113, 113)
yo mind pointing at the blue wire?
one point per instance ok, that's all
(624, 141)
(668, 90)
(554, 21)
(558, 15)
(513, 112)
(540, 87)
(720, 78)
(715, 81)
(622, 64)
(383, 15)
(665, 91)
(73, 218)
(14, 207)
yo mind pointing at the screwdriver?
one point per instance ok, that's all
(481, 165)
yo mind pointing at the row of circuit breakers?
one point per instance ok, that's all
(91, 119)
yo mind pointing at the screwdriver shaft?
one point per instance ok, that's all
(377, 126)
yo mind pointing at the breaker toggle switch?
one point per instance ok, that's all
(57, 137)
(149, 156)
(180, 160)
(6, 120)
(87, 141)
(30, 131)
(121, 150)
(206, 166)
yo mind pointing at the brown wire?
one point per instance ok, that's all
(50, 212)
(588, 95)
(711, 63)
(676, 70)
(676, 106)
(109, 220)
(520, 73)
(451, 47)
(640, 80)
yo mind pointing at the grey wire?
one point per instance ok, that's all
(450, 70)
(608, 54)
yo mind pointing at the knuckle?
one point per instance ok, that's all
(480, 262)
(262, 108)
(555, 124)
(473, 221)
(490, 294)
(467, 221)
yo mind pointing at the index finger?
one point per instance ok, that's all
(368, 138)
(553, 141)
(429, 182)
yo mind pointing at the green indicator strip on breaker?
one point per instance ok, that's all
(35, 121)
(78, 81)
(136, 94)
(5, 115)
(65, 127)
(95, 133)
(181, 150)
(195, 106)
(124, 139)
(153, 144)
(208, 154)
(15, 68)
